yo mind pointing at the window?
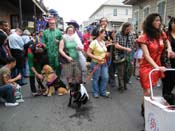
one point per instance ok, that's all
(115, 12)
(136, 20)
(14, 21)
(161, 9)
(126, 11)
(146, 11)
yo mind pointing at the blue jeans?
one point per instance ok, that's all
(26, 69)
(17, 71)
(7, 92)
(99, 87)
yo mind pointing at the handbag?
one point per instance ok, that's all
(119, 57)
(62, 59)
(165, 61)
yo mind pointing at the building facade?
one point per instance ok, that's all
(21, 13)
(141, 8)
(116, 13)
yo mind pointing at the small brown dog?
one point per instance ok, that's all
(53, 82)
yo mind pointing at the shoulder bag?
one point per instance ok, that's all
(62, 59)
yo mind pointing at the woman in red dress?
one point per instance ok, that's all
(152, 43)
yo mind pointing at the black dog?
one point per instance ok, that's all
(76, 94)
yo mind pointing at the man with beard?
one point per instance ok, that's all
(124, 43)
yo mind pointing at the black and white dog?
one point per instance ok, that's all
(79, 94)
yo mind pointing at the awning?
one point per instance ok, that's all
(39, 6)
(130, 2)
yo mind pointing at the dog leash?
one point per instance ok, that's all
(92, 72)
(97, 66)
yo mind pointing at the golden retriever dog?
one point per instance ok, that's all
(53, 82)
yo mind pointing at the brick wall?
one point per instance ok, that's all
(6, 10)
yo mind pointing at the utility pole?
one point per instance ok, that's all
(34, 18)
(20, 15)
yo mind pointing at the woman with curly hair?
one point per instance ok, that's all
(152, 43)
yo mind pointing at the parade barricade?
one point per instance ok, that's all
(159, 115)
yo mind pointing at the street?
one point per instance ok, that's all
(120, 112)
(63, 35)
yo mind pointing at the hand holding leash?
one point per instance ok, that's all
(70, 59)
(39, 76)
(19, 76)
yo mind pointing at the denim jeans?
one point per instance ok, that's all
(17, 71)
(26, 69)
(99, 87)
(7, 93)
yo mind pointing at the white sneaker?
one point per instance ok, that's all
(20, 100)
(11, 104)
(108, 93)
(130, 82)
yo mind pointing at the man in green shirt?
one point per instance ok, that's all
(51, 38)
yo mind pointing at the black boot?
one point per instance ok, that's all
(125, 86)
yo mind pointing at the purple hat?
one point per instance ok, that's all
(89, 28)
(74, 23)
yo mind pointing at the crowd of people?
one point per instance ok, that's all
(109, 53)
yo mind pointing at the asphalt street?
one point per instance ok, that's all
(120, 112)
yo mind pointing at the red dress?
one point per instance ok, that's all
(155, 48)
(86, 38)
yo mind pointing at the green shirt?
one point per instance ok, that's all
(51, 38)
(33, 63)
(71, 49)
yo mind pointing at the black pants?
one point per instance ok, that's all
(111, 71)
(168, 84)
(7, 93)
(32, 84)
(20, 62)
(19, 56)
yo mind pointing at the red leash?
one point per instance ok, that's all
(90, 75)
(97, 66)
